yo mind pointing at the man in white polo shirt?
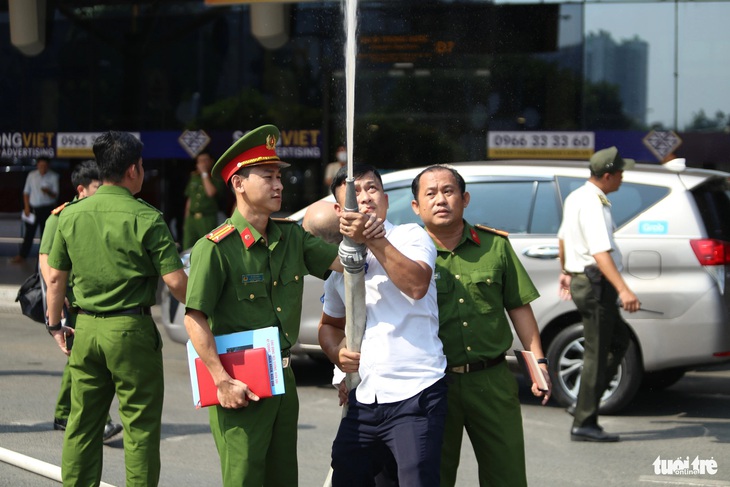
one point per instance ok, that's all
(399, 407)
(39, 198)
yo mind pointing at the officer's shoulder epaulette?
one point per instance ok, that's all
(501, 233)
(148, 204)
(284, 220)
(59, 209)
(221, 232)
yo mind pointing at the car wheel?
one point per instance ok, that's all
(566, 364)
(661, 379)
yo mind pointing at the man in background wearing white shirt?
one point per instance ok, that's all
(591, 275)
(39, 198)
(399, 407)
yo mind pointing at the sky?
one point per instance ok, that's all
(703, 47)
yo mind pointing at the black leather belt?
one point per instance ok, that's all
(476, 366)
(138, 310)
(285, 358)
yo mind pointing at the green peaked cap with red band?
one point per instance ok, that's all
(256, 148)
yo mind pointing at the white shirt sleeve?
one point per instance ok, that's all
(29, 182)
(334, 303)
(416, 244)
(595, 227)
(54, 184)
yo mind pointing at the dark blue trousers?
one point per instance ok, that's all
(411, 431)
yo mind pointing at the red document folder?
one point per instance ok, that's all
(250, 366)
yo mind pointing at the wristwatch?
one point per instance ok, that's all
(50, 328)
(543, 361)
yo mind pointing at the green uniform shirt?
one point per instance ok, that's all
(119, 247)
(245, 287)
(476, 282)
(49, 232)
(200, 202)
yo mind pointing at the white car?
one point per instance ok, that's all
(673, 227)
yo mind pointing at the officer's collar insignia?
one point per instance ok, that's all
(58, 209)
(501, 233)
(270, 142)
(474, 236)
(604, 200)
(247, 237)
(220, 233)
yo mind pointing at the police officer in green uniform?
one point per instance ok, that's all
(249, 274)
(201, 206)
(478, 277)
(118, 247)
(85, 178)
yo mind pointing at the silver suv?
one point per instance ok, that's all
(674, 232)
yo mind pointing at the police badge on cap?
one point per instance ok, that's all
(256, 148)
(608, 161)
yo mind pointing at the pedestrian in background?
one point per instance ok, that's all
(397, 411)
(591, 274)
(201, 205)
(118, 247)
(330, 171)
(85, 179)
(39, 198)
(478, 278)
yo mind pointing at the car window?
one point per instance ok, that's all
(505, 205)
(713, 202)
(630, 199)
(399, 206)
(568, 185)
(514, 206)
(548, 210)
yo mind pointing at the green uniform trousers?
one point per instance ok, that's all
(606, 341)
(121, 354)
(195, 228)
(487, 405)
(257, 444)
(63, 402)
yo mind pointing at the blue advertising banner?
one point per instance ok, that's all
(294, 144)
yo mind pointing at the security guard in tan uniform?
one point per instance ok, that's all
(201, 206)
(249, 274)
(118, 247)
(591, 275)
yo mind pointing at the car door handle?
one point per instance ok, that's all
(542, 252)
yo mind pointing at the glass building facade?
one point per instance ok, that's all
(433, 78)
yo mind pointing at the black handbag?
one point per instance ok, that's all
(30, 297)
